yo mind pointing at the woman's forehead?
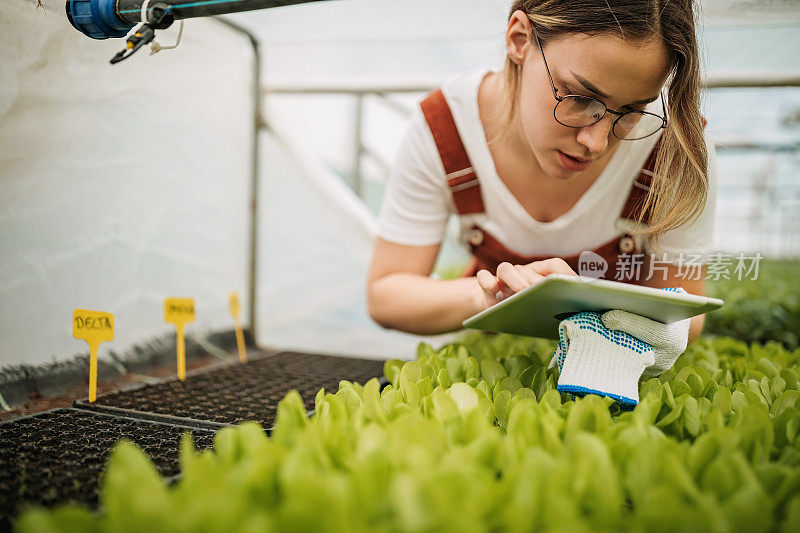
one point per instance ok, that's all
(621, 71)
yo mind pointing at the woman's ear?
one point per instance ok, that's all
(518, 37)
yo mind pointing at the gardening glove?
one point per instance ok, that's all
(593, 360)
(667, 340)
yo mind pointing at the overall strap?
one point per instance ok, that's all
(461, 177)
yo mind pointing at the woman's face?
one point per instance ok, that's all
(617, 72)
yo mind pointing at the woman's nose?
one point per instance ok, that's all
(595, 137)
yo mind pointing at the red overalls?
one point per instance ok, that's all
(465, 188)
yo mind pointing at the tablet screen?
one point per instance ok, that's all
(537, 310)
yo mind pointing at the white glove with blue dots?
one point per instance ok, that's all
(607, 354)
(668, 341)
(593, 360)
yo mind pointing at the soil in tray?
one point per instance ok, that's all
(37, 403)
(239, 392)
(57, 456)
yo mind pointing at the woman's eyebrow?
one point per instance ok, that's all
(591, 88)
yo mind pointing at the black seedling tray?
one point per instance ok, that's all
(56, 456)
(228, 394)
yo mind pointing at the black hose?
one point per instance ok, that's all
(130, 10)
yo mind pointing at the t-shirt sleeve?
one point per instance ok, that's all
(416, 202)
(695, 239)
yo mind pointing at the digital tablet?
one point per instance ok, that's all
(537, 310)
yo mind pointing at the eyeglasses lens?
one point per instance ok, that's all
(582, 111)
(579, 111)
(637, 125)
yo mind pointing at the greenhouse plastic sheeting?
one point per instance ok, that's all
(119, 185)
(315, 243)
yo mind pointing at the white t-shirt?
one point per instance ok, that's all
(417, 202)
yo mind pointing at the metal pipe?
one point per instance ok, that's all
(130, 10)
(358, 147)
(356, 89)
(741, 80)
(103, 19)
(714, 81)
(759, 146)
(258, 123)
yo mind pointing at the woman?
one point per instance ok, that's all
(590, 140)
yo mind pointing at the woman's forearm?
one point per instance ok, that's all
(427, 306)
(423, 305)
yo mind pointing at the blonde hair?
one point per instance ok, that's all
(679, 187)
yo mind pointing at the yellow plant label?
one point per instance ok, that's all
(179, 311)
(93, 327)
(233, 304)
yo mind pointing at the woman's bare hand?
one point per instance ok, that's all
(511, 279)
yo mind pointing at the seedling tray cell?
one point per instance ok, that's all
(56, 456)
(233, 393)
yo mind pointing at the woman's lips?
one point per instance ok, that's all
(571, 163)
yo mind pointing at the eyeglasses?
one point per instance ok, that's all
(577, 111)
